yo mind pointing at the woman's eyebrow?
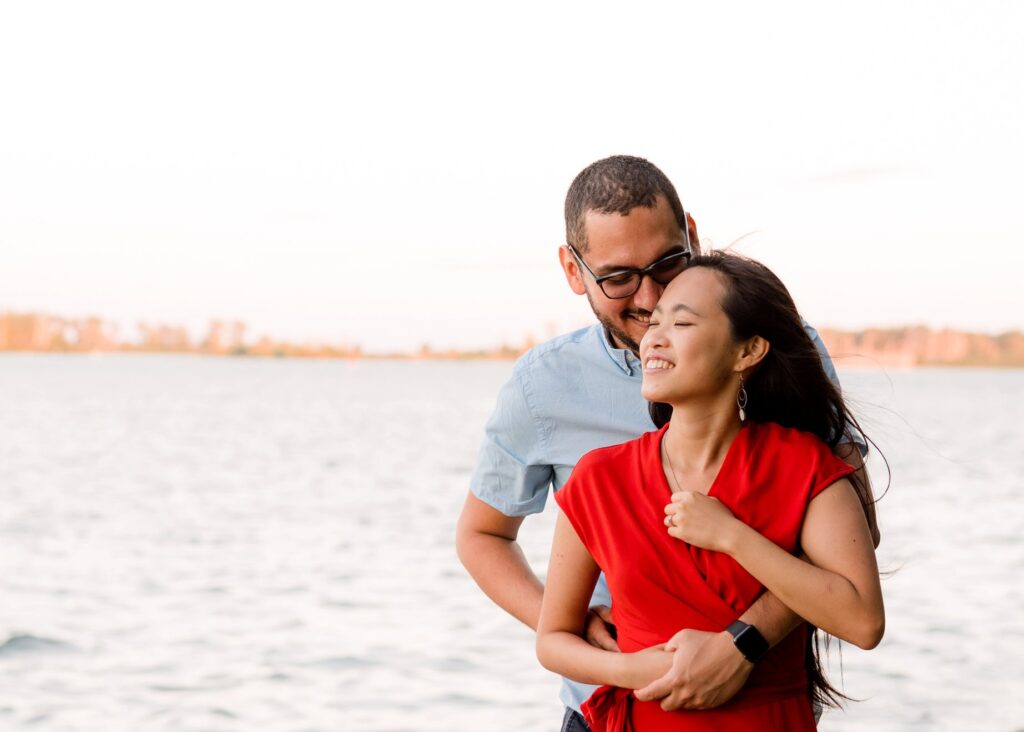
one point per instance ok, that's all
(676, 308)
(683, 306)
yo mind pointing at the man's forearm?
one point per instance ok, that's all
(499, 567)
(771, 617)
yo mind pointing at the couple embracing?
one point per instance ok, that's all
(714, 505)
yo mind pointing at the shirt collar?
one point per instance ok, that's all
(624, 358)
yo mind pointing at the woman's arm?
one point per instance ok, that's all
(572, 574)
(849, 453)
(838, 591)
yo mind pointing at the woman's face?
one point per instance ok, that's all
(688, 351)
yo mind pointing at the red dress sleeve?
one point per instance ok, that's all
(600, 500)
(571, 499)
(830, 468)
(579, 499)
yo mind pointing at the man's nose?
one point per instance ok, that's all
(654, 338)
(648, 295)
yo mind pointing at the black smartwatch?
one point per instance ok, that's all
(748, 640)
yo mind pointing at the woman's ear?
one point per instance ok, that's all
(752, 352)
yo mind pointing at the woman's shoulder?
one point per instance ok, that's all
(608, 469)
(796, 452)
(604, 478)
(615, 457)
(781, 437)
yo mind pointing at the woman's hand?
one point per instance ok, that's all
(700, 520)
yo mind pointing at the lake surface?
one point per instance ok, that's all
(235, 544)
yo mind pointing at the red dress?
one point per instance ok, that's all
(615, 500)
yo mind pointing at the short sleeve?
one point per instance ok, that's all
(572, 499)
(828, 470)
(570, 503)
(852, 433)
(511, 474)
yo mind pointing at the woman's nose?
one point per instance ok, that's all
(653, 338)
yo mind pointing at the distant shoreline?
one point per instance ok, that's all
(844, 363)
(872, 348)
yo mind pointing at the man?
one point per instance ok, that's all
(627, 235)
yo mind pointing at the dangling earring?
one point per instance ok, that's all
(741, 400)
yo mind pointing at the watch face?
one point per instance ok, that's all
(751, 643)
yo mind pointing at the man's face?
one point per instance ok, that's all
(617, 242)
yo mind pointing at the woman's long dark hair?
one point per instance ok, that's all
(789, 387)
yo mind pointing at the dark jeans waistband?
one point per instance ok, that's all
(573, 722)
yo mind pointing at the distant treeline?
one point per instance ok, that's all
(910, 346)
(920, 346)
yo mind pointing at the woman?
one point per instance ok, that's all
(690, 523)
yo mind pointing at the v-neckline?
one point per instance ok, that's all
(726, 461)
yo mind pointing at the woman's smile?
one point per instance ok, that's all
(655, 364)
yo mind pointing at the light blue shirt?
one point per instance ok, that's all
(566, 397)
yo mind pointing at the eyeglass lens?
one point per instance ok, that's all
(627, 283)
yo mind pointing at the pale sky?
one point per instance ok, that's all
(391, 174)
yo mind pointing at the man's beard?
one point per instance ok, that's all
(616, 332)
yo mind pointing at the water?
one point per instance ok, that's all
(218, 544)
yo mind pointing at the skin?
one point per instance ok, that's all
(705, 669)
(486, 539)
(616, 242)
(837, 588)
(692, 363)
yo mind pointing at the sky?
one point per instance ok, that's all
(393, 174)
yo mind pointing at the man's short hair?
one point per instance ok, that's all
(615, 185)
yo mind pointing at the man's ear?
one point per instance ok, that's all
(751, 353)
(691, 226)
(571, 268)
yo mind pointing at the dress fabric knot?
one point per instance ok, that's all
(609, 709)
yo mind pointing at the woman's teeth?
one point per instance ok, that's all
(657, 363)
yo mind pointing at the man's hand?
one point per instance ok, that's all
(597, 629)
(707, 671)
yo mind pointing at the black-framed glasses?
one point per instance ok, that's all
(625, 282)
